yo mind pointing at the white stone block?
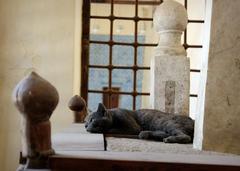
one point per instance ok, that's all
(174, 69)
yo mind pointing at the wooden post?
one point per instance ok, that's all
(36, 99)
(78, 105)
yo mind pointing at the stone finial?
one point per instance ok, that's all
(36, 99)
(78, 105)
(170, 66)
(170, 20)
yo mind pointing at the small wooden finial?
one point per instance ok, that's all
(78, 105)
(36, 99)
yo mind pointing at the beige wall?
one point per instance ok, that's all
(38, 34)
(77, 47)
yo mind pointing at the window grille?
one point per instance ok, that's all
(110, 43)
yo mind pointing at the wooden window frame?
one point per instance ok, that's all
(86, 45)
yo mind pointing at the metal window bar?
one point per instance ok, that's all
(86, 43)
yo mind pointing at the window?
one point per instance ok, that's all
(117, 44)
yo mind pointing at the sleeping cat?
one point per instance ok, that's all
(146, 123)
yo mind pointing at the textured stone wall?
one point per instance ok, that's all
(221, 126)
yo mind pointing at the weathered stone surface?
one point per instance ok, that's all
(170, 15)
(170, 96)
(170, 64)
(174, 69)
(222, 99)
(170, 20)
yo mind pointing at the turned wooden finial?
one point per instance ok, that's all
(78, 105)
(36, 99)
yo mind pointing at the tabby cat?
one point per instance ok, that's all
(146, 123)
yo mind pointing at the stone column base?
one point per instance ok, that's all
(170, 80)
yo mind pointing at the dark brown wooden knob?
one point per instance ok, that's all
(35, 98)
(78, 105)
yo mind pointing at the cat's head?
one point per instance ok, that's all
(99, 121)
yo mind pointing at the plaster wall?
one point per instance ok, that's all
(77, 47)
(222, 99)
(35, 35)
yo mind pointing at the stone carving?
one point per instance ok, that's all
(36, 99)
(170, 20)
(169, 96)
(170, 64)
(78, 105)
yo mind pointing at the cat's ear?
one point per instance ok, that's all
(101, 108)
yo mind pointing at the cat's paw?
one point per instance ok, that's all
(167, 140)
(179, 139)
(144, 134)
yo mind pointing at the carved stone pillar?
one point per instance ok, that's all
(170, 67)
(36, 99)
